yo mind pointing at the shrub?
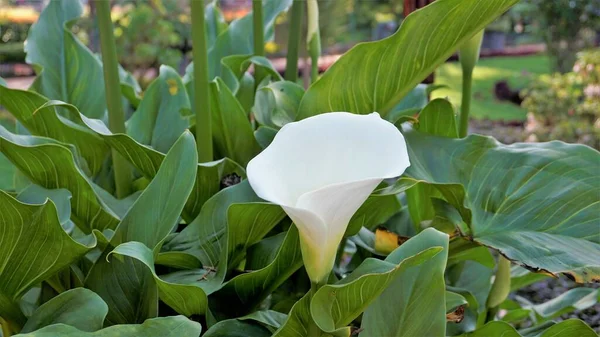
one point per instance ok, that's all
(567, 106)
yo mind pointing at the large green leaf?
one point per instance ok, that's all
(568, 328)
(25, 106)
(33, 247)
(535, 203)
(247, 325)
(245, 292)
(232, 132)
(334, 306)
(51, 164)
(148, 161)
(574, 299)
(67, 69)
(48, 34)
(151, 218)
(175, 326)
(160, 118)
(186, 299)
(410, 305)
(80, 308)
(374, 76)
(228, 223)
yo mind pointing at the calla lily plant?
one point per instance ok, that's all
(321, 170)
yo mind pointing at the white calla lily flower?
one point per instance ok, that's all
(321, 170)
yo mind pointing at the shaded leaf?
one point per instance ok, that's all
(80, 308)
(232, 133)
(535, 203)
(174, 326)
(33, 247)
(158, 121)
(51, 164)
(151, 218)
(26, 106)
(410, 303)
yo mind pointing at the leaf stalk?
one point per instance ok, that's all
(112, 88)
(204, 142)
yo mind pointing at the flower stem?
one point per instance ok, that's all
(204, 143)
(116, 117)
(259, 35)
(313, 328)
(291, 65)
(468, 55)
(465, 106)
(313, 38)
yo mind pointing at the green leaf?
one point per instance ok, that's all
(438, 118)
(234, 67)
(376, 210)
(335, 305)
(535, 203)
(276, 104)
(245, 292)
(494, 329)
(186, 299)
(227, 225)
(521, 277)
(80, 308)
(247, 325)
(237, 39)
(215, 23)
(410, 305)
(375, 76)
(454, 300)
(413, 102)
(33, 247)
(67, 70)
(463, 250)
(175, 326)
(148, 161)
(264, 135)
(51, 164)
(574, 299)
(48, 34)
(7, 174)
(26, 106)
(568, 328)
(158, 121)
(151, 218)
(232, 131)
(34, 194)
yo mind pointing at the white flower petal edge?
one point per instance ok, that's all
(321, 170)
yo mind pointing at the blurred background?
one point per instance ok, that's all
(538, 78)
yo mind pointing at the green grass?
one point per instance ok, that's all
(518, 71)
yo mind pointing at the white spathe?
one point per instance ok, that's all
(321, 170)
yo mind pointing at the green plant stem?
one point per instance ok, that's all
(204, 143)
(465, 106)
(112, 88)
(313, 328)
(291, 65)
(259, 34)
